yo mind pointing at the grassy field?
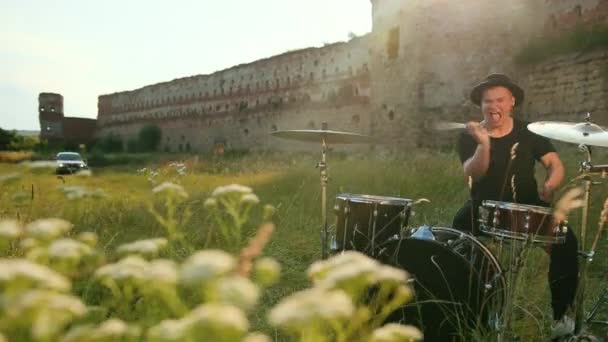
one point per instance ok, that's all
(291, 183)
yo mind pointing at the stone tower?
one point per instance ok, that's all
(50, 115)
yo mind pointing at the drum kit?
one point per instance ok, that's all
(461, 287)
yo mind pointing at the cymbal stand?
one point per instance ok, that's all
(324, 180)
(579, 319)
(586, 170)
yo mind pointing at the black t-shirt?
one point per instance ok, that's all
(508, 179)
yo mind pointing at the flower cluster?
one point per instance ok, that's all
(339, 302)
(207, 295)
(230, 207)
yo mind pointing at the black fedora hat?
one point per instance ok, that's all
(497, 80)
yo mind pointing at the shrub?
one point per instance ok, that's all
(149, 137)
(110, 143)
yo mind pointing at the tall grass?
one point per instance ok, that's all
(290, 183)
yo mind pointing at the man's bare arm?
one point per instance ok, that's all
(477, 166)
(555, 175)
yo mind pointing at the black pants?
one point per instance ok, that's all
(563, 268)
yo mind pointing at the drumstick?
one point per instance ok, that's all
(448, 126)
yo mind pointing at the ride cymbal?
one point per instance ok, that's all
(330, 137)
(586, 133)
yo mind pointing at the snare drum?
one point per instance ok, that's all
(520, 222)
(365, 221)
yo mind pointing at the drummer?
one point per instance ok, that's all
(498, 156)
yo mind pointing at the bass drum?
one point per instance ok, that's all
(459, 284)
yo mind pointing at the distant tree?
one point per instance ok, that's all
(110, 143)
(132, 145)
(6, 138)
(149, 137)
(24, 143)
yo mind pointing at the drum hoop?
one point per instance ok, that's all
(362, 198)
(517, 206)
(478, 243)
(542, 239)
(486, 251)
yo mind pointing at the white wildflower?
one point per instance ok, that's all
(29, 274)
(238, 291)
(28, 243)
(266, 271)
(391, 275)
(89, 238)
(128, 269)
(48, 311)
(78, 333)
(148, 247)
(250, 199)
(168, 331)
(215, 321)
(206, 265)
(311, 307)
(47, 229)
(10, 229)
(268, 212)
(161, 272)
(393, 332)
(257, 337)
(210, 203)
(231, 189)
(47, 300)
(345, 268)
(170, 188)
(114, 329)
(68, 249)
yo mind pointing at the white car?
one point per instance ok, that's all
(69, 162)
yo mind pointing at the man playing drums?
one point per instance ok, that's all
(498, 156)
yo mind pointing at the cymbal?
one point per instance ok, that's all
(586, 133)
(331, 137)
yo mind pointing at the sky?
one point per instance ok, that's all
(86, 48)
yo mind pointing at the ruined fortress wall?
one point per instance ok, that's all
(251, 130)
(441, 49)
(427, 55)
(567, 87)
(568, 14)
(295, 82)
(416, 67)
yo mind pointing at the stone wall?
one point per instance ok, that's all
(250, 130)
(568, 14)
(427, 55)
(567, 87)
(442, 49)
(226, 102)
(415, 68)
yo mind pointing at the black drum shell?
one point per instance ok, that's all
(458, 283)
(364, 222)
(520, 222)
